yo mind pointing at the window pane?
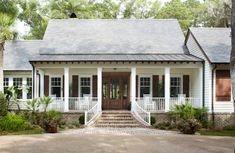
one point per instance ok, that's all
(18, 83)
(144, 85)
(105, 89)
(144, 91)
(85, 90)
(56, 91)
(124, 89)
(114, 89)
(175, 86)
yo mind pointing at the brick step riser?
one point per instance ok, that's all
(111, 122)
(116, 119)
(116, 116)
(117, 126)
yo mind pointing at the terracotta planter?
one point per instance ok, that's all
(52, 129)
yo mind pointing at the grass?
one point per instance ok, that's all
(218, 133)
(25, 132)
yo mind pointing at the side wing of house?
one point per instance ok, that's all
(195, 50)
(217, 82)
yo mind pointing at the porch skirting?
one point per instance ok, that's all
(71, 116)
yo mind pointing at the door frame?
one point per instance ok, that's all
(119, 75)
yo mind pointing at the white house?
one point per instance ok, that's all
(146, 66)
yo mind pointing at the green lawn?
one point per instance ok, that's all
(218, 133)
(25, 132)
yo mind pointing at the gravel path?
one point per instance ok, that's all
(120, 131)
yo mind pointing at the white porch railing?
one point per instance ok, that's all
(82, 103)
(57, 104)
(92, 114)
(140, 114)
(157, 104)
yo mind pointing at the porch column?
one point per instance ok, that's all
(99, 86)
(41, 72)
(167, 88)
(133, 86)
(35, 84)
(66, 89)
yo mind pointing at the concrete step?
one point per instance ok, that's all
(119, 125)
(117, 122)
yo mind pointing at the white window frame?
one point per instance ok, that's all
(151, 83)
(61, 85)
(4, 82)
(29, 86)
(23, 84)
(79, 84)
(181, 82)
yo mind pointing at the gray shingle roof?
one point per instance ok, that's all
(126, 36)
(216, 43)
(118, 57)
(100, 40)
(17, 54)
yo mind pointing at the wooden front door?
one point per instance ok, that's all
(116, 90)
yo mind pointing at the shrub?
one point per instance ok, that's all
(188, 126)
(165, 125)
(12, 122)
(50, 120)
(45, 101)
(3, 105)
(152, 120)
(82, 119)
(230, 127)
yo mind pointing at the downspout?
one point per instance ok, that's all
(212, 95)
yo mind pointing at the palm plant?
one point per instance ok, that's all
(45, 101)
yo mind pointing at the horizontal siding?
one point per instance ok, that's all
(224, 107)
(195, 50)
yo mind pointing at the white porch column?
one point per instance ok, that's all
(167, 88)
(133, 86)
(99, 86)
(41, 72)
(66, 89)
(35, 84)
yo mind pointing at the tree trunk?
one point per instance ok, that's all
(232, 59)
(1, 65)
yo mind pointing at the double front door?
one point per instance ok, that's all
(116, 90)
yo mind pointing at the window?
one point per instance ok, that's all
(5, 83)
(56, 86)
(17, 82)
(175, 86)
(223, 85)
(29, 88)
(85, 86)
(145, 86)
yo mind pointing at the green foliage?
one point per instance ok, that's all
(50, 120)
(186, 111)
(12, 94)
(9, 7)
(218, 133)
(152, 120)
(230, 127)
(45, 101)
(188, 126)
(12, 122)
(3, 105)
(82, 119)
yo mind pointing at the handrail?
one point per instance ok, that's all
(92, 114)
(140, 114)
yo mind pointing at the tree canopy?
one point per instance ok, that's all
(211, 13)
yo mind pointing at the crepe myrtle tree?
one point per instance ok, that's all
(232, 59)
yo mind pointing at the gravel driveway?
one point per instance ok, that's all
(92, 140)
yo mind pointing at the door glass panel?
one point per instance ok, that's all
(124, 89)
(105, 89)
(114, 89)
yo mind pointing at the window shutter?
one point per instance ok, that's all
(137, 86)
(63, 86)
(75, 85)
(163, 85)
(186, 85)
(94, 85)
(155, 86)
(46, 85)
(223, 85)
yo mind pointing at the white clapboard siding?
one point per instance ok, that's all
(195, 50)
